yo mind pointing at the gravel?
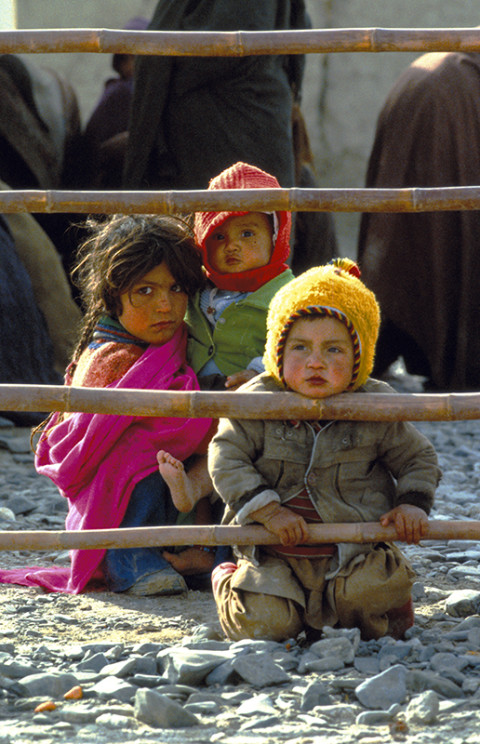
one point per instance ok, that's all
(110, 668)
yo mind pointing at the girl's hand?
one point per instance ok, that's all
(238, 378)
(410, 521)
(290, 528)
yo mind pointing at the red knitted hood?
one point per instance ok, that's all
(244, 176)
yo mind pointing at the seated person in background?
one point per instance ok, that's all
(104, 140)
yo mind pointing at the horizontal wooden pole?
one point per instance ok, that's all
(416, 199)
(242, 405)
(357, 532)
(239, 43)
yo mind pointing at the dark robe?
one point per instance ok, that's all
(105, 137)
(26, 352)
(39, 138)
(425, 267)
(192, 117)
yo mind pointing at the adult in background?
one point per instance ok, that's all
(192, 117)
(425, 267)
(104, 139)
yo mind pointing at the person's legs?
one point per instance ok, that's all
(144, 571)
(376, 595)
(245, 614)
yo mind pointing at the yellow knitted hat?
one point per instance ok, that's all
(334, 290)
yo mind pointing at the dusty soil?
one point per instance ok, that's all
(30, 616)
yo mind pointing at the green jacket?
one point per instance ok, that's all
(239, 335)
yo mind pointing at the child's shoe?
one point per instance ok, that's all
(166, 581)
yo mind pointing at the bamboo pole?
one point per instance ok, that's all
(240, 404)
(239, 43)
(415, 199)
(357, 532)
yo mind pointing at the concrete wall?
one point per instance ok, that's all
(343, 93)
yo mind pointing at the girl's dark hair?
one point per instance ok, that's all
(119, 251)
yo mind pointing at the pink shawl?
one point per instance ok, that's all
(97, 459)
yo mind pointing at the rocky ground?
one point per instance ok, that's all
(113, 668)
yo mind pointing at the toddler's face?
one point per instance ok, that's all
(154, 308)
(318, 358)
(241, 243)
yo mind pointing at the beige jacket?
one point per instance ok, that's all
(354, 471)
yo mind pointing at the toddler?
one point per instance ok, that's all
(322, 330)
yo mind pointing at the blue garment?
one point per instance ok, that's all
(150, 505)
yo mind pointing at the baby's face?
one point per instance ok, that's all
(241, 243)
(318, 358)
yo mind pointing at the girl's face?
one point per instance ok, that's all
(241, 243)
(318, 358)
(154, 308)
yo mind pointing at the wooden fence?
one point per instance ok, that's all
(200, 404)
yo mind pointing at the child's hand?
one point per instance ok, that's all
(410, 521)
(290, 528)
(238, 378)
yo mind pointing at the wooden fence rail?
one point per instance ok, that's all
(369, 407)
(240, 43)
(416, 199)
(206, 404)
(356, 532)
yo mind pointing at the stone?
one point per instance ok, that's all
(423, 709)
(188, 667)
(384, 689)
(158, 710)
(47, 685)
(463, 602)
(114, 688)
(259, 670)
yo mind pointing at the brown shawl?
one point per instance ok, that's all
(425, 267)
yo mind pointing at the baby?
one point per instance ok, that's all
(244, 256)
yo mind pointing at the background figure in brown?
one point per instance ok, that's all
(425, 267)
(39, 137)
(193, 117)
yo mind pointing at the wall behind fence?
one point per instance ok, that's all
(343, 93)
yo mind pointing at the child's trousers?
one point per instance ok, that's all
(374, 595)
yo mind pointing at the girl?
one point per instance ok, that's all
(135, 274)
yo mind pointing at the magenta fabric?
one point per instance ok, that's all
(97, 459)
